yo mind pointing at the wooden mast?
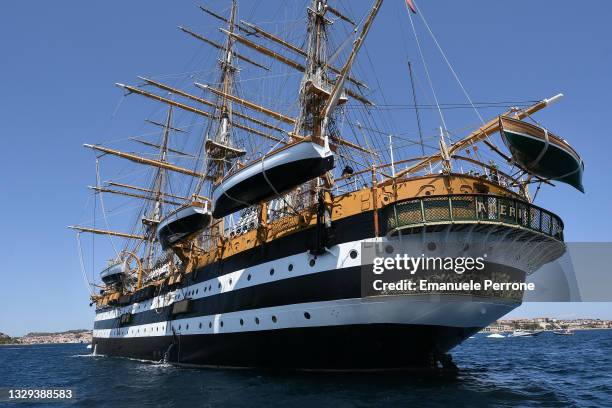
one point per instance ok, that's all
(133, 89)
(156, 213)
(165, 194)
(105, 232)
(207, 103)
(134, 195)
(220, 47)
(143, 160)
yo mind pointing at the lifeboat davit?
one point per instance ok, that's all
(542, 153)
(273, 174)
(114, 273)
(183, 222)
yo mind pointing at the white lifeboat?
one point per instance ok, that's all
(273, 174)
(182, 223)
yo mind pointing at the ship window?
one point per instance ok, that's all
(242, 322)
(249, 277)
(219, 285)
(257, 320)
(230, 282)
(307, 315)
(389, 249)
(209, 325)
(209, 287)
(271, 271)
(274, 319)
(200, 325)
(187, 327)
(431, 246)
(290, 267)
(312, 262)
(179, 327)
(197, 290)
(221, 323)
(353, 254)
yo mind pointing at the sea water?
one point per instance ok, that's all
(545, 370)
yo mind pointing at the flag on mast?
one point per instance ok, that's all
(411, 6)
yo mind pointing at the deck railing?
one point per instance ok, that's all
(467, 208)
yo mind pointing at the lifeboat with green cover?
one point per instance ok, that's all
(542, 153)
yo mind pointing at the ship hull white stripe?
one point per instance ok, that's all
(450, 311)
(260, 274)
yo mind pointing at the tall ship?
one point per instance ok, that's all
(237, 229)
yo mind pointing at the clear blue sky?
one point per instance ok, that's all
(59, 61)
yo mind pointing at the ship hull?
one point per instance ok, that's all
(350, 347)
(356, 334)
(281, 306)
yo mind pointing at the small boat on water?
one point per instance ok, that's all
(525, 333)
(113, 273)
(273, 174)
(542, 153)
(565, 332)
(496, 336)
(182, 223)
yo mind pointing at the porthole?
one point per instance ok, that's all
(312, 262)
(273, 319)
(271, 271)
(307, 315)
(187, 327)
(242, 322)
(221, 323)
(230, 282)
(389, 249)
(197, 290)
(290, 267)
(219, 285)
(432, 246)
(257, 320)
(209, 287)
(179, 327)
(353, 254)
(210, 325)
(249, 277)
(200, 326)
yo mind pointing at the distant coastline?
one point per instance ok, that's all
(65, 337)
(547, 323)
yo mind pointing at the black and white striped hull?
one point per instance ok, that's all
(299, 311)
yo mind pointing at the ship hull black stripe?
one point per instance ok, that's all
(348, 229)
(336, 284)
(349, 347)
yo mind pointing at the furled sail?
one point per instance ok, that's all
(542, 153)
(182, 223)
(275, 173)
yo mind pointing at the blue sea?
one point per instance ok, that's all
(542, 371)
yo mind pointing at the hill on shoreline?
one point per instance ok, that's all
(68, 336)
